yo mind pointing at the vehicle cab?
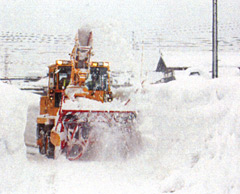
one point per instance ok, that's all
(59, 78)
(98, 80)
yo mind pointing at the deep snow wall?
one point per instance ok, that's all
(13, 163)
(190, 133)
(192, 129)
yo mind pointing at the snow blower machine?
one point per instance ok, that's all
(79, 105)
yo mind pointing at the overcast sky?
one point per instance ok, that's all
(55, 16)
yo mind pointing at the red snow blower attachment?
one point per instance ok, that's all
(76, 130)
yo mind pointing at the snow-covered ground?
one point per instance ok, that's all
(189, 127)
(191, 144)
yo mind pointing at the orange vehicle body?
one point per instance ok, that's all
(74, 73)
(72, 130)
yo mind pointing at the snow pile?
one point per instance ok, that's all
(190, 137)
(13, 163)
(192, 129)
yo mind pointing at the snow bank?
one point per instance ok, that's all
(13, 163)
(192, 129)
(190, 136)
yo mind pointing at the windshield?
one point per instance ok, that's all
(97, 79)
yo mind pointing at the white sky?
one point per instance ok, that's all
(64, 16)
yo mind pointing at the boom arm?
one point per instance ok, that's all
(81, 52)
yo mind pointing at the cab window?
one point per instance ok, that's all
(64, 75)
(97, 79)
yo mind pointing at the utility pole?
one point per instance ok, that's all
(215, 41)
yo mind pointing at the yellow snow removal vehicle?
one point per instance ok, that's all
(79, 104)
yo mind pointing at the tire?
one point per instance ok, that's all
(49, 146)
(41, 138)
(43, 135)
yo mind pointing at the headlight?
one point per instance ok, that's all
(59, 62)
(106, 64)
(94, 64)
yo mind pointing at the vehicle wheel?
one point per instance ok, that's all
(49, 146)
(41, 138)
